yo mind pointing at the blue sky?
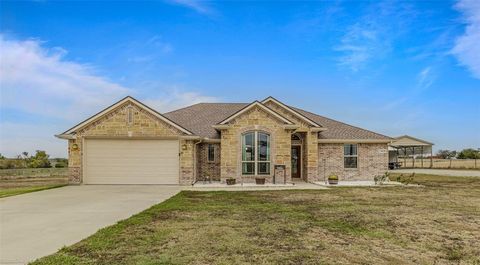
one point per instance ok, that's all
(395, 67)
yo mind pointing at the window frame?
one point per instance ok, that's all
(350, 156)
(130, 115)
(208, 153)
(256, 156)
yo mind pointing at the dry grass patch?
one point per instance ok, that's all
(19, 181)
(434, 224)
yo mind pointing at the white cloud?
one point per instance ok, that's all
(425, 78)
(372, 35)
(39, 82)
(467, 46)
(196, 5)
(358, 46)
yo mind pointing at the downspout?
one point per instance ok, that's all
(195, 161)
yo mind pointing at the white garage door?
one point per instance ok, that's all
(109, 161)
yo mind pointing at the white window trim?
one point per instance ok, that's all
(256, 161)
(344, 156)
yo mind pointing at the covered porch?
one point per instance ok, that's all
(410, 152)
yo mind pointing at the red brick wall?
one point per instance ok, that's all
(205, 167)
(372, 160)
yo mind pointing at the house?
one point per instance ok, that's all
(131, 143)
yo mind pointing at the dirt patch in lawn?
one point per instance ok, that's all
(434, 224)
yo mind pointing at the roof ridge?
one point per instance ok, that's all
(343, 123)
(199, 103)
(183, 108)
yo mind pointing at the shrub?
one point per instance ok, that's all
(380, 179)
(39, 160)
(333, 177)
(61, 164)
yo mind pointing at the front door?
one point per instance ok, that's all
(296, 161)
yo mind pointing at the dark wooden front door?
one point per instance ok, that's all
(296, 161)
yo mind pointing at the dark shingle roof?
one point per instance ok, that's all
(340, 130)
(199, 119)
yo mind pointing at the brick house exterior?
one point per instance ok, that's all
(216, 141)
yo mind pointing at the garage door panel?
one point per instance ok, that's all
(111, 161)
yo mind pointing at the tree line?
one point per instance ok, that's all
(40, 160)
(468, 153)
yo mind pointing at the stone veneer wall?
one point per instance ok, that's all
(310, 144)
(372, 160)
(115, 124)
(205, 167)
(254, 119)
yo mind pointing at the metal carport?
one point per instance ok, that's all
(409, 146)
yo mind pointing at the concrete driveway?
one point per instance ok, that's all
(440, 172)
(37, 224)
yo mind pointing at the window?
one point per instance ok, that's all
(211, 153)
(130, 115)
(350, 156)
(255, 153)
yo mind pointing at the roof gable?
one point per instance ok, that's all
(291, 110)
(118, 104)
(251, 106)
(407, 140)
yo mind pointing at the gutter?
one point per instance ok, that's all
(195, 161)
(66, 136)
(367, 141)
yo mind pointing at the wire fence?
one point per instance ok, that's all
(439, 163)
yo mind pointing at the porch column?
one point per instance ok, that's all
(311, 150)
(413, 156)
(422, 156)
(431, 156)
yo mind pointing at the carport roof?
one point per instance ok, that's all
(408, 141)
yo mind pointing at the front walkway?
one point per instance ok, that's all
(440, 172)
(217, 186)
(37, 224)
(359, 183)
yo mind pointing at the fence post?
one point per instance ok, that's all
(413, 157)
(431, 157)
(450, 166)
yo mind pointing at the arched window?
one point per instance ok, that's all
(255, 153)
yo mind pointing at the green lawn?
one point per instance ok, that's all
(434, 224)
(22, 190)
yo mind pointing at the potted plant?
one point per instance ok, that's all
(333, 179)
(231, 181)
(260, 180)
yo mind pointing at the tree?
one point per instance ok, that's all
(25, 155)
(469, 153)
(39, 160)
(2, 157)
(446, 154)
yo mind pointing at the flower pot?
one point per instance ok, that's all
(231, 181)
(260, 181)
(333, 181)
